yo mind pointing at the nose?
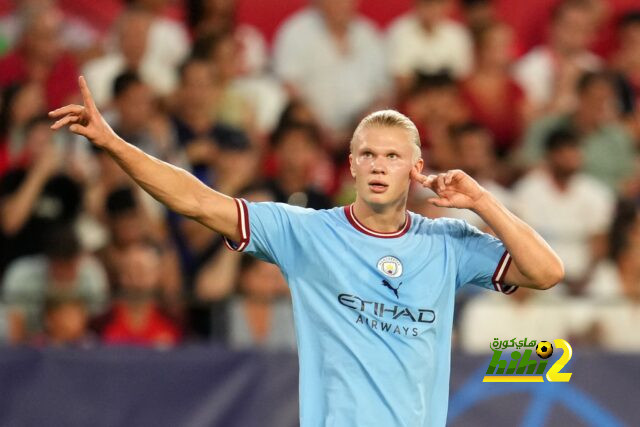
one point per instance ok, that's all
(378, 165)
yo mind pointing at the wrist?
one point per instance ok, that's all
(484, 203)
(110, 143)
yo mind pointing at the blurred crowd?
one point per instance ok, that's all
(87, 258)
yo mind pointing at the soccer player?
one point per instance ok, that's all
(372, 284)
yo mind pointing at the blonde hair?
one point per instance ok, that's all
(392, 119)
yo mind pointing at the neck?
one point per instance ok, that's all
(560, 179)
(384, 219)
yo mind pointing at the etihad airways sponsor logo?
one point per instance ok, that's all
(388, 311)
(380, 317)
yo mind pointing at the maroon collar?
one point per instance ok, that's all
(351, 217)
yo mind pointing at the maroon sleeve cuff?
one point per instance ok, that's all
(243, 227)
(501, 273)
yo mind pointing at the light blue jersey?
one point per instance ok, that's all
(373, 311)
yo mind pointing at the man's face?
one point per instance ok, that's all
(338, 12)
(565, 161)
(196, 86)
(598, 101)
(67, 322)
(381, 163)
(42, 38)
(139, 270)
(573, 30)
(135, 106)
(133, 36)
(431, 12)
(296, 152)
(63, 272)
(475, 152)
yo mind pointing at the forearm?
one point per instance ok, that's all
(17, 208)
(533, 257)
(216, 280)
(174, 187)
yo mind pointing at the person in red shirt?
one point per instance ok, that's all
(39, 58)
(494, 99)
(136, 317)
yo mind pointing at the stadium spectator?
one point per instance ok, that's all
(219, 17)
(128, 225)
(614, 289)
(129, 54)
(435, 105)
(62, 268)
(552, 198)
(548, 73)
(66, 322)
(297, 149)
(136, 116)
(332, 58)
(426, 41)
(261, 315)
(231, 107)
(77, 35)
(531, 315)
(168, 39)
(215, 283)
(492, 96)
(607, 146)
(626, 63)
(478, 14)
(20, 104)
(39, 58)
(618, 277)
(37, 194)
(136, 317)
(194, 125)
(249, 100)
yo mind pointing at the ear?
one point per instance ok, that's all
(419, 165)
(351, 168)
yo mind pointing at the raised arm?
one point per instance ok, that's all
(535, 264)
(176, 188)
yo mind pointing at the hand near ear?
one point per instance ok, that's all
(454, 188)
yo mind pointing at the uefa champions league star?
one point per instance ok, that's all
(372, 284)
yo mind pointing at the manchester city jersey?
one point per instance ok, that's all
(373, 311)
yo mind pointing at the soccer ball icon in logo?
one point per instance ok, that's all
(544, 349)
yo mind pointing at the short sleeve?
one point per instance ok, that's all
(482, 259)
(268, 231)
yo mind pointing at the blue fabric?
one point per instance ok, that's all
(373, 315)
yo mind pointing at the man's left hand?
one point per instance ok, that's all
(454, 188)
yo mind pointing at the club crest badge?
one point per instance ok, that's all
(390, 266)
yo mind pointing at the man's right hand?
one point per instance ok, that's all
(84, 120)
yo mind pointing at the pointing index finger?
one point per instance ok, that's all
(86, 94)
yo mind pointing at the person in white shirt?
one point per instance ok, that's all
(132, 54)
(614, 288)
(425, 40)
(548, 73)
(333, 59)
(570, 209)
(618, 277)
